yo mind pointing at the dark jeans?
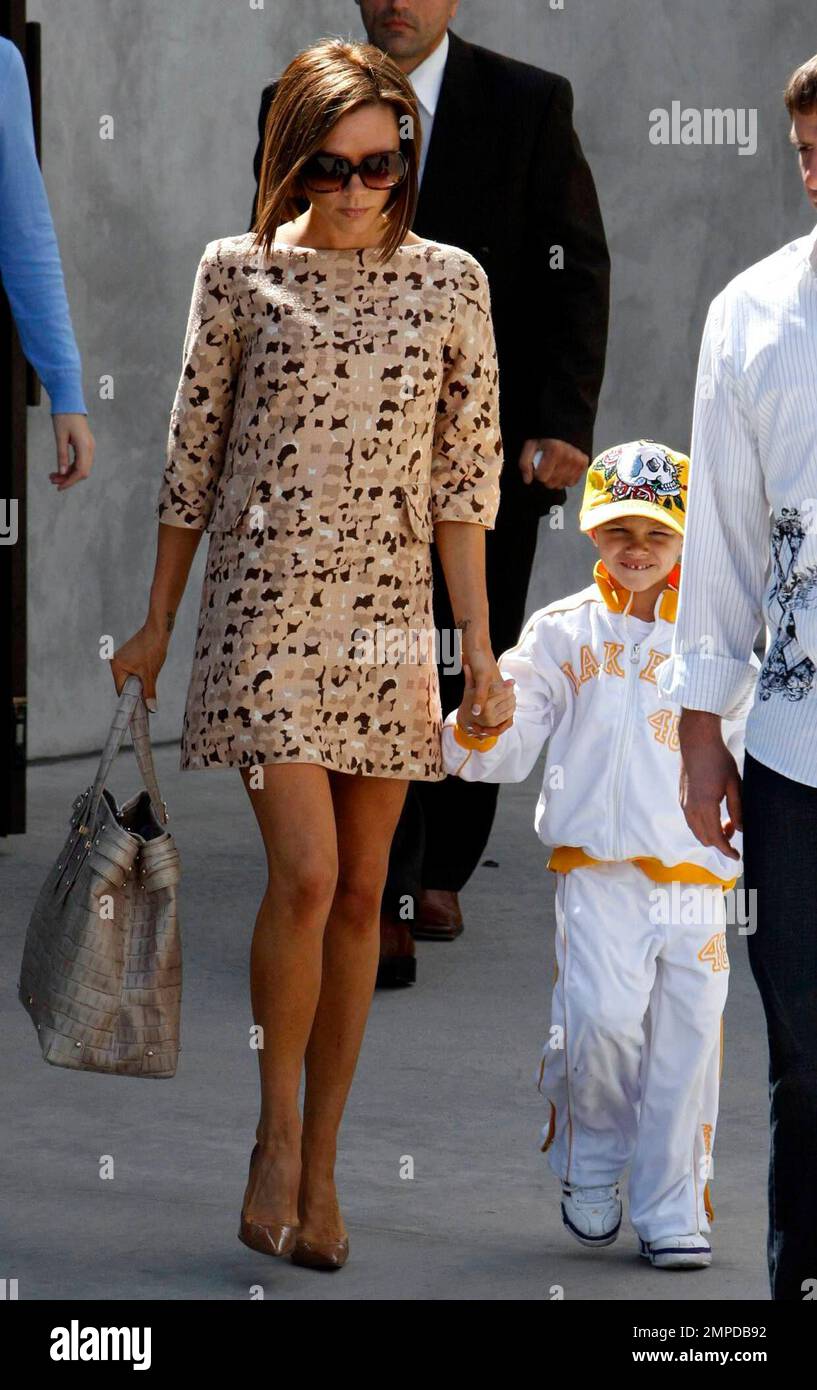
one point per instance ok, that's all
(780, 862)
(444, 826)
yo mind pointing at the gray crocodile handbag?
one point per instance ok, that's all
(102, 969)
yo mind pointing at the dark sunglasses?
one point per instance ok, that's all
(328, 173)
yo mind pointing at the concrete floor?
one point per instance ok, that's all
(446, 1076)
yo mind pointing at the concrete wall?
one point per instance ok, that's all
(182, 81)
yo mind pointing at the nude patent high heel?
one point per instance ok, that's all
(268, 1237)
(331, 1255)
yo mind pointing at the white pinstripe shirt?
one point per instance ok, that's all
(750, 548)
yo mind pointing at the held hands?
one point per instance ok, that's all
(493, 701)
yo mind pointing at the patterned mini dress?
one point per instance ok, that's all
(331, 410)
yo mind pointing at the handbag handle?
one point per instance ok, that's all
(130, 713)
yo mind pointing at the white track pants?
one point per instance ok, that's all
(626, 1085)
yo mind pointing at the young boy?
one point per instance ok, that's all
(631, 1068)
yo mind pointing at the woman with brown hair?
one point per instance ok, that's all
(337, 410)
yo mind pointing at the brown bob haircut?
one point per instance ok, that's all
(323, 83)
(800, 95)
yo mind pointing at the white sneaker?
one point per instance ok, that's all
(592, 1214)
(678, 1252)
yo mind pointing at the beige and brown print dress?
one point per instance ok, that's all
(330, 410)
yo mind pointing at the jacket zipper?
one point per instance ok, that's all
(624, 742)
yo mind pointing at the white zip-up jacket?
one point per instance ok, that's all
(585, 681)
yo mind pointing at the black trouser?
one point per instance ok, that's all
(444, 826)
(780, 863)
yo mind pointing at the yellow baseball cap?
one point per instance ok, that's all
(642, 478)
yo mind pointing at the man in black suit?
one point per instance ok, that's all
(504, 177)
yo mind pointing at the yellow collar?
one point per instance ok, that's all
(616, 596)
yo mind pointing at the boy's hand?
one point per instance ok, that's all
(497, 712)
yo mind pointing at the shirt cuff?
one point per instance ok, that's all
(718, 684)
(65, 394)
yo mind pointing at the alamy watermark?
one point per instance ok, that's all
(384, 645)
(692, 125)
(705, 905)
(8, 521)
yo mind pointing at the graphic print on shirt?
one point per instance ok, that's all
(590, 668)
(784, 672)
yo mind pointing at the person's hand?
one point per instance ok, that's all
(142, 655)
(552, 462)
(493, 700)
(708, 774)
(72, 431)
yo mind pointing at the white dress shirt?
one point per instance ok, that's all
(427, 79)
(750, 549)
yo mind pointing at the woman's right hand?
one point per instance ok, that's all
(142, 655)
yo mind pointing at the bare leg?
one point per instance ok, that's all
(296, 816)
(366, 813)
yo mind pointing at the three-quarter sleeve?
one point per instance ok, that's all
(467, 453)
(202, 412)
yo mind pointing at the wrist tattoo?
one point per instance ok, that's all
(170, 620)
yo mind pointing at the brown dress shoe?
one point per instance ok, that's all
(398, 963)
(438, 917)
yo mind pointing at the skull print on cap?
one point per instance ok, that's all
(642, 478)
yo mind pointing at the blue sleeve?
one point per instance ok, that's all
(30, 265)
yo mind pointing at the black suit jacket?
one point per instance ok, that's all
(506, 179)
